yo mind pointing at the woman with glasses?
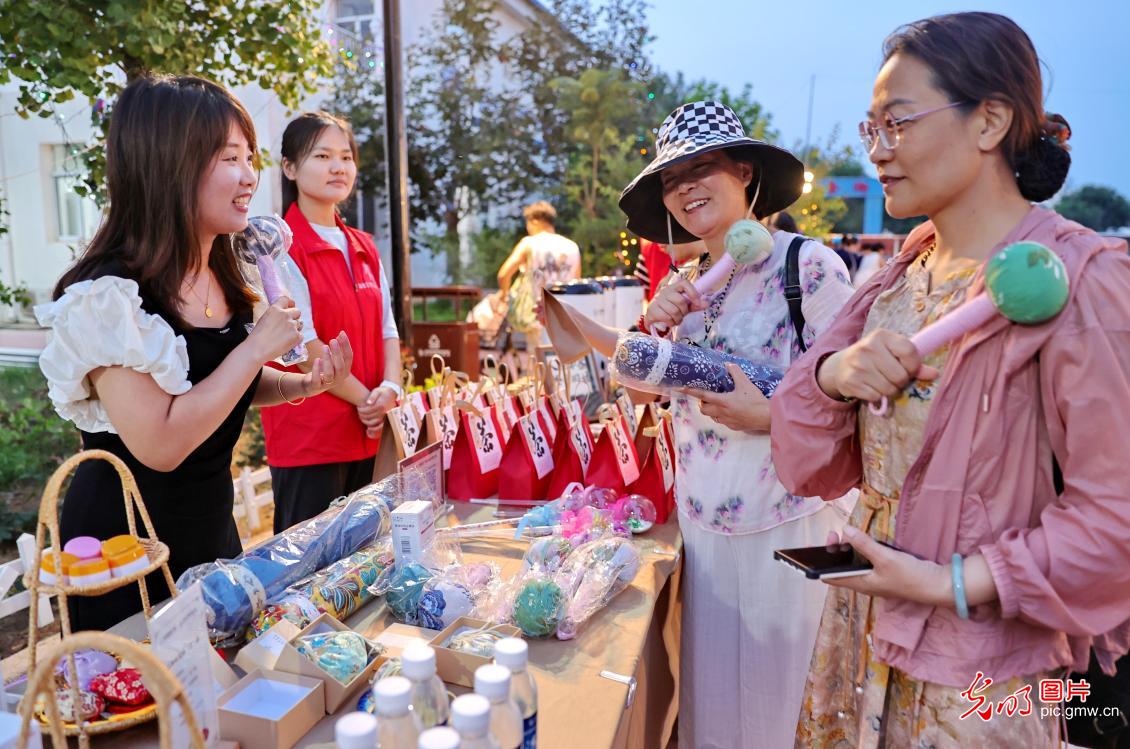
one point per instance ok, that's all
(996, 583)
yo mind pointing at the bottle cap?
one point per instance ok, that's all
(356, 730)
(511, 652)
(470, 714)
(493, 682)
(418, 662)
(393, 696)
(439, 738)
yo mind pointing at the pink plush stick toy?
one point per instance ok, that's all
(1026, 282)
(747, 242)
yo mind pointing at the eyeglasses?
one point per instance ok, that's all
(890, 133)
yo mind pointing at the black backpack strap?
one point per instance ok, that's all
(792, 288)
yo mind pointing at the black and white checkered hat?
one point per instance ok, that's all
(694, 129)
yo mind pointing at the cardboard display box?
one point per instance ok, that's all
(456, 667)
(270, 709)
(291, 661)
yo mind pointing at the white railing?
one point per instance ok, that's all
(249, 499)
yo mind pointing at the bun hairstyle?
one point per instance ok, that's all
(977, 57)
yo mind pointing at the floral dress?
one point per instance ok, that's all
(851, 699)
(725, 479)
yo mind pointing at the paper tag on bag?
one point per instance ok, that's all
(579, 435)
(538, 445)
(549, 417)
(629, 410)
(407, 426)
(663, 450)
(485, 439)
(505, 425)
(625, 456)
(446, 429)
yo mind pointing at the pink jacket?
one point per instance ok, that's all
(1010, 395)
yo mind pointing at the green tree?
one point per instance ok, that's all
(572, 36)
(474, 141)
(1096, 207)
(602, 161)
(70, 48)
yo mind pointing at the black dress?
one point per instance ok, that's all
(190, 506)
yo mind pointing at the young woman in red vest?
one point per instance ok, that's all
(323, 447)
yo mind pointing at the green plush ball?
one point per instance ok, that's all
(748, 242)
(1027, 282)
(539, 607)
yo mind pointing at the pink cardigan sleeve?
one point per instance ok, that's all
(1072, 571)
(815, 451)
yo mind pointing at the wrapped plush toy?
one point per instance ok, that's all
(454, 592)
(658, 365)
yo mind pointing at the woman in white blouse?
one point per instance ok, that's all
(148, 354)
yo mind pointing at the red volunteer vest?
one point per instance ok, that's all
(325, 428)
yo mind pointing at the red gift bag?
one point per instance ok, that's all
(572, 450)
(475, 457)
(527, 463)
(615, 464)
(657, 477)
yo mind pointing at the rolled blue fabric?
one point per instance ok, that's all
(657, 365)
(235, 590)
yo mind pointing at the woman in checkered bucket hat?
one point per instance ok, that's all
(748, 625)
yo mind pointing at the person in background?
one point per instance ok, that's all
(655, 266)
(998, 579)
(869, 263)
(324, 447)
(149, 352)
(543, 257)
(848, 250)
(784, 221)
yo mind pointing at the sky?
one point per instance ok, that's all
(778, 46)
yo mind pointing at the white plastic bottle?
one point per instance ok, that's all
(429, 696)
(398, 727)
(513, 653)
(470, 714)
(440, 737)
(493, 682)
(356, 731)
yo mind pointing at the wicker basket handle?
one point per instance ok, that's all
(159, 680)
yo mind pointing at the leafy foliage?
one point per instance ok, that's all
(70, 48)
(1099, 208)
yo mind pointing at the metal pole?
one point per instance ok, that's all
(397, 148)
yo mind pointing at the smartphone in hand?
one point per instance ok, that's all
(825, 562)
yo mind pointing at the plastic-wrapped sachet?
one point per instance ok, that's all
(658, 365)
(454, 592)
(591, 576)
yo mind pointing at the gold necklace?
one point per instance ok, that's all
(207, 297)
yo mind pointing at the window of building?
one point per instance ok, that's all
(352, 8)
(76, 216)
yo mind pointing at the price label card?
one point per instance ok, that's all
(537, 443)
(504, 424)
(179, 633)
(510, 406)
